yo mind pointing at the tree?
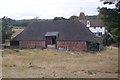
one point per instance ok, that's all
(59, 18)
(73, 17)
(111, 17)
(6, 30)
(88, 17)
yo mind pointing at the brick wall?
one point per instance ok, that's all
(32, 44)
(72, 45)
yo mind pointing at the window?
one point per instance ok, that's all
(100, 34)
(88, 23)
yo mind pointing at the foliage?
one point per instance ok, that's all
(91, 17)
(12, 22)
(107, 40)
(6, 30)
(25, 22)
(73, 17)
(22, 23)
(93, 46)
(59, 18)
(111, 17)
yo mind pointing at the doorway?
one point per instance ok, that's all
(51, 41)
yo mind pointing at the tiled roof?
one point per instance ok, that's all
(67, 29)
(94, 23)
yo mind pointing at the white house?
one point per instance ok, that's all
(96, 26)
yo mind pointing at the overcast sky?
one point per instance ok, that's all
(48, 9)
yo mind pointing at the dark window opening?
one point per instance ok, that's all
(51, 40)
(14, 43)
(100, 34)
(100, 27)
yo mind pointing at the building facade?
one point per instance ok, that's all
(67, 34)
(95, 25)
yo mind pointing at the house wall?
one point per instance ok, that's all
(72, 45)
(32, 44)
(97, 29)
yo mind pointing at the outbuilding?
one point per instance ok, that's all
(68, 34)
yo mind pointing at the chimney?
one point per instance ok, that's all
(82, 16)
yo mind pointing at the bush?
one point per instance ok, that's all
(17, 51)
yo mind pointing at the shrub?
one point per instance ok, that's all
(17, 51)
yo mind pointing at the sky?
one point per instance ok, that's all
(48, 9)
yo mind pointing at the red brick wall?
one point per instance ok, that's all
(72, 45)
(32, 44)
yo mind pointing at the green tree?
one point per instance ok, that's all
(59, 18)
(73, 17)
(91, 17)
(6, 30)
(111, 17)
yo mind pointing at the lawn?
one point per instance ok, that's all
(50, 63)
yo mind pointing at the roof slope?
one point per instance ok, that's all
(94, 23)
(67, 30)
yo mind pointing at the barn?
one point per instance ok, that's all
(67, 34)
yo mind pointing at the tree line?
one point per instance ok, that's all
(25, 22)
(111, 18)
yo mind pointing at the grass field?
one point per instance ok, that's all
(48, 63)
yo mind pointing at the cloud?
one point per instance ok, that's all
(47, 9)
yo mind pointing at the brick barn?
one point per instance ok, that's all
(68, 34)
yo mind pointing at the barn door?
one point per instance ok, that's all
(51, 41)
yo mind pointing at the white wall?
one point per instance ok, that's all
(97, 29)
